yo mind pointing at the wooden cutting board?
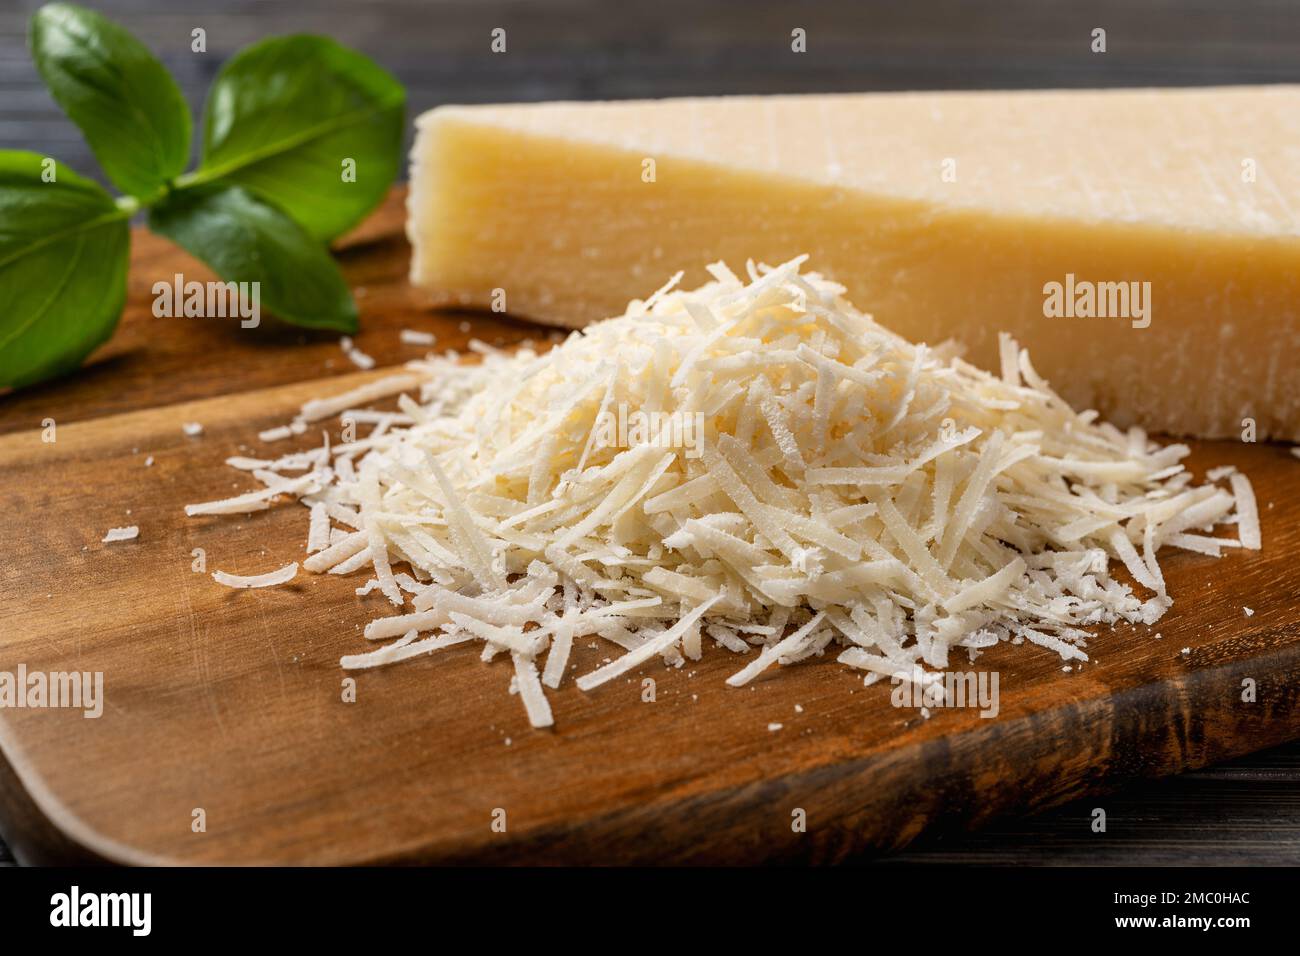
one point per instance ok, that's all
(231, 703)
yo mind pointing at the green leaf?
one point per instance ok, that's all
(63, 254)
(285, 114)
(110, 85)
(245, 239)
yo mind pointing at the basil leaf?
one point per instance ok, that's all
(245, 239)
(283, 116)
(63, 254)
(125, 102)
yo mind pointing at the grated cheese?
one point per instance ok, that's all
(357, 357)
(129, 533)
(836, 485)
(416, 337)
(530, 689)
(1247, 512)
(267, 580)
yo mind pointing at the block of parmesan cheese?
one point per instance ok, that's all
(1143, 244)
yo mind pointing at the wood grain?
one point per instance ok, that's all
(231, 701)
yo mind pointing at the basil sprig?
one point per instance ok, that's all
(302, 138)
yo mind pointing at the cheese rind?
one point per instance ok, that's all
(948, 215)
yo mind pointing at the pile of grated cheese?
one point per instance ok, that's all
(848, 489)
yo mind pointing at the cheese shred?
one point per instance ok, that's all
(270, 579)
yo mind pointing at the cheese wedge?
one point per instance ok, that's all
(1143, 244)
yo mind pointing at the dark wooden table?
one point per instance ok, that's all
(1244, 812)
(608, 49)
